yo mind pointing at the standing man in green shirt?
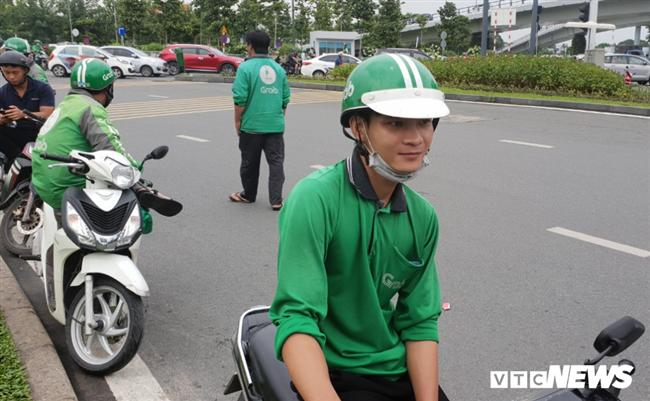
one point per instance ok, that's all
(261, 95)
(358, 300)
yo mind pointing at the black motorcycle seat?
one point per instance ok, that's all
(270, 376)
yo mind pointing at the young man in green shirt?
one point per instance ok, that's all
(357, 300)
(261, 95)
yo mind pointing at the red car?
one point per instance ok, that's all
(200, 58)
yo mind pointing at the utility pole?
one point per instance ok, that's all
(534, 17)
(70, 21)
(593, 17)
(484, 30)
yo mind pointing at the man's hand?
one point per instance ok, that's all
(14, 113)
(239, 112)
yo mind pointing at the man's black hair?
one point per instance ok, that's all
(259, 40)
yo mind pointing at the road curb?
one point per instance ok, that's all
(47, 378)
(631, 110)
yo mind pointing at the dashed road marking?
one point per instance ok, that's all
(192, 138)
(536, 145)
(135, 382)
(317, 166)
(159, 97)
(642, 253)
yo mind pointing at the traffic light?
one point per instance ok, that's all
(539, 11)
(584, 16)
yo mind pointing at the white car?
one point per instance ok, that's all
(63, 58)
(317, 67)
(142, 62)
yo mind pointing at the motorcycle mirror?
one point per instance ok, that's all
(157, 153)
(619, 335)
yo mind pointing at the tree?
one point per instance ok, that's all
(421, 20)
(361, 12)
(302, 21)
(578, 44)
(457, 28)
(388, 24)
(132, 14)
(323, 16)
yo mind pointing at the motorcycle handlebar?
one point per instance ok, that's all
(34, 117)
(64, 159)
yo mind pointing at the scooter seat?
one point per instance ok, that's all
(270, 376)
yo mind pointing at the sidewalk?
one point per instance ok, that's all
(637, 111)
(48, 380)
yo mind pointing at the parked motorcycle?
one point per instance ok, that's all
(261, 377)
(88, 255)
(41, 59)
(16, 227)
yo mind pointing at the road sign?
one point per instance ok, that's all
(503, 17)
(443, 35)
(443, 44)
(121, 31)
(75, 32)
(223, 31)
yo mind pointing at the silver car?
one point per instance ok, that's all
(142, 62)
(638, 66)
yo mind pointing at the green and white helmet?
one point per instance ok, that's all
(92, 74)
(393, 85)
(17, 44)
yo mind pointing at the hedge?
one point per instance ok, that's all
(528, 73)
(544, 75)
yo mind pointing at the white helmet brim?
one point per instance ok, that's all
(407, 103)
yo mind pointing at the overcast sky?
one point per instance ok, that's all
(432, 6)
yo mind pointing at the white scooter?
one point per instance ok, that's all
(88, 256)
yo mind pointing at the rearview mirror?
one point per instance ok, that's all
(157, 153)
(135, 56)
(619, 335)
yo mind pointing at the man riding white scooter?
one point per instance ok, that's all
(80, 122)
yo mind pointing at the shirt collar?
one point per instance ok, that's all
(358, 177)
(85, 93)
(30, 87)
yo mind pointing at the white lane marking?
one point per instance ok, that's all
(135, 382)
(192, 138)
(642, 253)
(536, 145)
(605, 113)
(317, 166)
(159, 97)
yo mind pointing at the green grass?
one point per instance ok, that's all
(519, 95)
(13, 380)
(526, 95)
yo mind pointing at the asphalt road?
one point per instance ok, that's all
(522, 297)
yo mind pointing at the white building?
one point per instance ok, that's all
(335, 41)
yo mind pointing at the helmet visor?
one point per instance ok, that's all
(407, 103)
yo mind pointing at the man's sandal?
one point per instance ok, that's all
(237, 198)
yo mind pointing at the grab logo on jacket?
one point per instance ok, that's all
(267, 75)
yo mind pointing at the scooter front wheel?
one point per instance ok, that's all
(15, 237)
(115, 341)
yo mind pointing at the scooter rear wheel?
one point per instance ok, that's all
(113, 345)
(11, 238)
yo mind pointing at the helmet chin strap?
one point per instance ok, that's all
(380, 166)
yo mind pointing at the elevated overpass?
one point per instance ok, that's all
(622, 13)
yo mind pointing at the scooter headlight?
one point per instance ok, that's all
(122, 176)
(79, 227)
(131, 228)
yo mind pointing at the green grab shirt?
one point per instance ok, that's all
(78, 123)
(342, 261)
(262, 88)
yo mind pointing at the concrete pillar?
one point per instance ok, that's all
(593, 17)
(637, 35)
